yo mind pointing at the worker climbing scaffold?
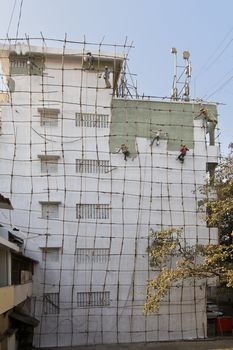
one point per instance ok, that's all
(156, 138)
(124, 149)
(183, 152)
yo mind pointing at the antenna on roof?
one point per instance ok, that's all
(174, 85)
(184, 77)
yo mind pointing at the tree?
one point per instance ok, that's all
(198, 261)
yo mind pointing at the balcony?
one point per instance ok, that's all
(11, 296)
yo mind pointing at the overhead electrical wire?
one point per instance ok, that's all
(11, 18)
(19, 19)
(211, 60)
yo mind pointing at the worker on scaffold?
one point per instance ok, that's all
(156, 138)
(124, 149)
(89, 60)
(106, 77)
(183, 152)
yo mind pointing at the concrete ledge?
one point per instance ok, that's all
(213, 343)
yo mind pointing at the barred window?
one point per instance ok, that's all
(19, 62)
(92, 120)
(49, 210)
(51, 303)
(92, 211)
(48, 116)
(49, 163)
(50, 254)
(92, 166)
(85, 299)
(26, 65)
(92, 255)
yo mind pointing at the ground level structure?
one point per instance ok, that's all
(213, 344)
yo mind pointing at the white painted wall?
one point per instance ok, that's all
(160, 177)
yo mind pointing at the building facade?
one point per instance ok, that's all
(16, 324)
(88, 177)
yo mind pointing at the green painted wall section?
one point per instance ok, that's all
(138, 118)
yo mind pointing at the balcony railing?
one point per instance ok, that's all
(11, 296)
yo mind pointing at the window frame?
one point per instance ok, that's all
(49, 116)
(92, 120)
(93, 299)
(92, 166)
(49, 306)
(46, 252)
(47, 160)
(93, 211)
(52, 203)
(92, 255)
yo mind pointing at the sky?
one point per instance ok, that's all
(203, 27)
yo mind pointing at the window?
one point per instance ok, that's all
(26, 65)
(49, 163)
(92, 120)
(21, 269)
(92, 255)
(92, 166)
(48, 116)
(85, 299)
(50, 254)
(51, 303)
(92, 211)
(49, 210)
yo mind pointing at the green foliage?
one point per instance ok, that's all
(220, 209)
(199, 261)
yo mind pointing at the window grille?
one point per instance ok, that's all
(48, 116)
(85, 299)
(92, 255)
(50, 254)
(49, 164)
(92, 211)
(19, 62)
(26, 65)
(92, 120)
(49, 210)
(51, 303)
(92, 166)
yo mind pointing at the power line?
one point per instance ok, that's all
(206, 66)
(20, 14)
(11, 17)
(221, 87)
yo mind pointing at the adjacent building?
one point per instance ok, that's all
(87, 183)
(16, 269)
